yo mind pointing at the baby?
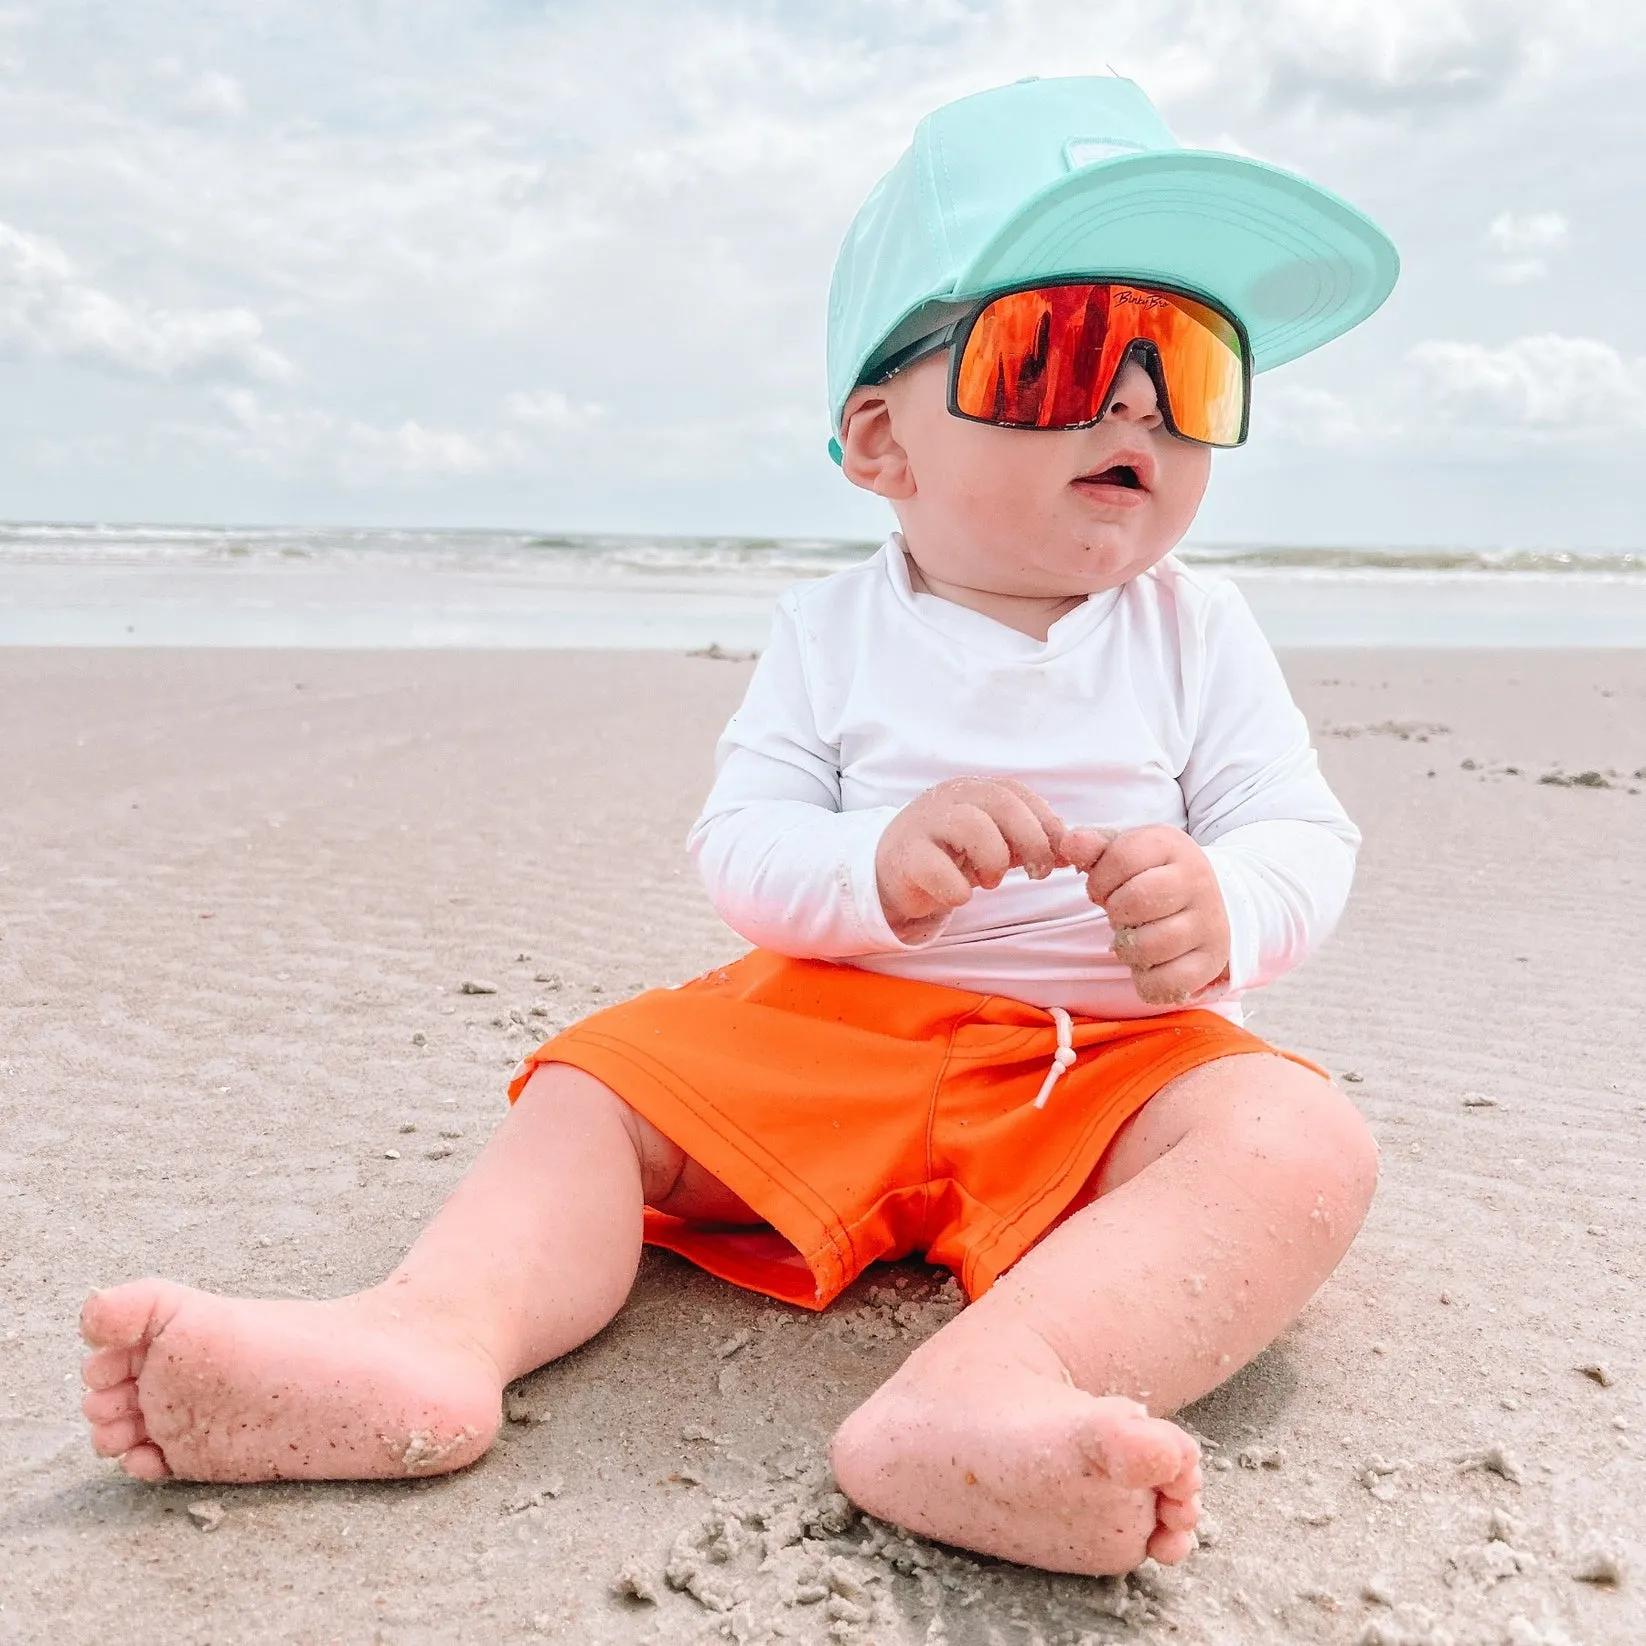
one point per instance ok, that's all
(1014, 813)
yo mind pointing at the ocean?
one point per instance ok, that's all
(112, 585)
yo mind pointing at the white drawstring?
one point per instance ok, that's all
(1062, 1058)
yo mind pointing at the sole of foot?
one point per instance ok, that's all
(999, 1457)
(190, 1385)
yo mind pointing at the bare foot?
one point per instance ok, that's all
(989, 1446)
(214, 1388)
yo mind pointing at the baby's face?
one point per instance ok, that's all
(1038, 512)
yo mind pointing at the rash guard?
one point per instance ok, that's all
(1159, 701)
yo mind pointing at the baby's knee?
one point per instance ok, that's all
(581, 1099)
(1322, 1150)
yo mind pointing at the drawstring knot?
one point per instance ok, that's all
(1062, 1058)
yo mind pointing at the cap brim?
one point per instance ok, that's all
(1297, 265)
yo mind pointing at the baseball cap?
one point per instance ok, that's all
(1081, 178)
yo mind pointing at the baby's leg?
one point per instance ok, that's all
(1022, 1429)
(533, 1254)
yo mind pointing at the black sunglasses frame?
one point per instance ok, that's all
(957, 334)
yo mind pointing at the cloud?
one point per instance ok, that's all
(1306, 415)
(1544, 385)
(1520, 241)
(214, 96)
(550, 409)
(49, 310)
(1412, 55)
(1449, 396)
(1536, 231)
(351, 449)
(1324, 59)
(588, 246)
(1446, 396)
(534, 437)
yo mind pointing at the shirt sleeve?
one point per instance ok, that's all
(1281, 845)
(783, 865)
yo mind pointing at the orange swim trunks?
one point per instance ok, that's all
(867, 1117)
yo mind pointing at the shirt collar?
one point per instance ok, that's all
(988, 633)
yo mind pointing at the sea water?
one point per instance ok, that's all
(111, 585)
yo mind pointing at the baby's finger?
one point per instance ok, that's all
(1129, 854)
(932, 874)
(1026, 823)
(1160, 941)
(1052, 825)
(974, 841)
(1155, 894)
(1177, 981)
(1081, 848)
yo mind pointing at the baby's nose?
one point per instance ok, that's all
(1134, 399)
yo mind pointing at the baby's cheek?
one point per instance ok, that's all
(1185, 472)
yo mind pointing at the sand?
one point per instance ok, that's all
(240, 896)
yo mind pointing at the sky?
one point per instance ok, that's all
(563, 266)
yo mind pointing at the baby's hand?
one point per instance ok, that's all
(1164, 903)
(963, 833)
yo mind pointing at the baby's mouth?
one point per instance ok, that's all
(1119, 474)
(1124, 484)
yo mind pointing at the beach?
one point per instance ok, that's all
(242, 893)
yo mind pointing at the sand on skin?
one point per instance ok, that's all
(235, 886)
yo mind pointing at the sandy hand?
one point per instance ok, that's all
(1165, 905)
(959, 835)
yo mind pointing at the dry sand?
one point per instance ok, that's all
(239, 893)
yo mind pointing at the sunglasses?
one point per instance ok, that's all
(1049, 356)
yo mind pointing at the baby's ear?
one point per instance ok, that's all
(871, 456)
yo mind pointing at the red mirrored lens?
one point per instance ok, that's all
(1045, 359)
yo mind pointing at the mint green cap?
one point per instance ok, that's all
(1073, 178)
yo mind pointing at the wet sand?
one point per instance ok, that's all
(239, 893)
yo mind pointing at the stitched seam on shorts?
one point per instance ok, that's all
(1161, 1074)
(931, 1120)
(1019, 1045)
(688, 1096)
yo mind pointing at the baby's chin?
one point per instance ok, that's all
(1084, 567)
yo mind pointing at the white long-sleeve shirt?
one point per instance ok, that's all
(1156, 702)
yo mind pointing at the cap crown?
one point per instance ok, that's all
(1081, 177)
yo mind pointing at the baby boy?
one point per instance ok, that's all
(1013, 814)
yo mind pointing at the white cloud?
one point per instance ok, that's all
(215, 96)
(1535, 231)
(48, 309)
(588, 245)
(1521, 242)
(536, 437)
(1544, 384)
(1446, 395)
(356, 451)
(550, 409)
(1382, 53)
(1306, 415)
(413, 451)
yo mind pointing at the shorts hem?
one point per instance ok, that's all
(815, 1229)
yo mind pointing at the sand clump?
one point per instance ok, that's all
(792, 1559)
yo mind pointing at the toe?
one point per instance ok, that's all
(116, 1438)
(1186, 1484)
(125, 1316)
(1179, 1515)
(146, 1462)
(105, 1405)
(1134, 1449)
(106, 1367)
(1170, 1547)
